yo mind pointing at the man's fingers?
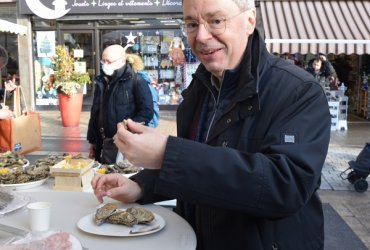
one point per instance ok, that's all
(135, 127)
(114, 192)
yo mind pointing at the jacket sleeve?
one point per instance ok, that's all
(275, 181)
(92, 129)
(143, 101)
(329, 69)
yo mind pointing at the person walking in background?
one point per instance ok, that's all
(116, 97)
(5, 113)
(10, 85)
(253, 133)
(137, 65)
(322, 70)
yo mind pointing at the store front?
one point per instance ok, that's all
(9, 33)
(299, 30)
(87, 28)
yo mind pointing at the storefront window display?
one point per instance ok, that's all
(154, 47)
(44, 68)
(10, 42)
(45, 41)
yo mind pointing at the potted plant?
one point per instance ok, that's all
(69, 85)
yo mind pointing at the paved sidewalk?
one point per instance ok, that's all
(337, 162)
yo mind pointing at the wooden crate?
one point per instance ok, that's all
(68, 177)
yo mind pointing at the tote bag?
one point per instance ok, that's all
(21, 134)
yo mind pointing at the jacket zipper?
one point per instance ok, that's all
(216, 108)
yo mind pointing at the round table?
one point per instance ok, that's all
(69, 207)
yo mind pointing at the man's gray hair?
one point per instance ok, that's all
(3, 57)
(244, 4)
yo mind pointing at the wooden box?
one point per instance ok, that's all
(73, 174)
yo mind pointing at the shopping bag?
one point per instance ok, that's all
(21, 134)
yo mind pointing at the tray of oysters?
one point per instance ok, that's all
(113, 219)
(123, 167)
(10, 161)
(16, 172)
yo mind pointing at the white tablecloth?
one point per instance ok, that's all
(69, 207)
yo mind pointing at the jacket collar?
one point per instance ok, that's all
(248, 71)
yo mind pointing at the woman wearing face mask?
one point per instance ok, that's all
(118, 95)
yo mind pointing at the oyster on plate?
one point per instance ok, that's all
(104, 212)
(20, 175)
(134, 215)
(12, 160)
(122, 218)
(122, 167)
(142, 215)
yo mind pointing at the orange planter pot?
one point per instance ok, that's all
(70, 109)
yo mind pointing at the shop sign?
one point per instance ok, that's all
(58, 8)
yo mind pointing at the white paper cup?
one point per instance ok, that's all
(39, 216)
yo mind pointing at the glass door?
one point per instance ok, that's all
(81, 42)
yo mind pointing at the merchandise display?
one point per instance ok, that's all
(167, 75)
(338, 106)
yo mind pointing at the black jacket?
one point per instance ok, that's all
(327, 70)
(123, 99)
(252, 185)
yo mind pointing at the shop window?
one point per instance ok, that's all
(154, 48)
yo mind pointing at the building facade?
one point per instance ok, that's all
(293, 28)
(86, 28)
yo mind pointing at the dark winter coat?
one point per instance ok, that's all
(327, 70)
(123, 99)
(252, 184)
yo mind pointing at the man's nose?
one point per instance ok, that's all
(203, 32)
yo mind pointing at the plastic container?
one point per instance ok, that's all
(341, 89)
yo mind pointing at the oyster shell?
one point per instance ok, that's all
(104, 212)
(123, 167)
(142, 215)
(134, 215)
(122, 218)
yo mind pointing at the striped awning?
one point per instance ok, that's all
(317, 26)
(9, 27)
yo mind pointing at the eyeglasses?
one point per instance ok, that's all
(216, 26)
(106, 61)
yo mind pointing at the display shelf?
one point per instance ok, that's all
(157, 62)
(334, 113)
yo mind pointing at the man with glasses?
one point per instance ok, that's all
(252, 136)
(118, 95)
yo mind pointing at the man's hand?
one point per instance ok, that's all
(141, 145)
(92, 150)
(117, 187)
(323, 58)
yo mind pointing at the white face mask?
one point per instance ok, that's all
(108, 69)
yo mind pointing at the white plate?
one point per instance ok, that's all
(26, 185)
(88, 225)
(18, 202)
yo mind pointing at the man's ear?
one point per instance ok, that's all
(251, 21)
